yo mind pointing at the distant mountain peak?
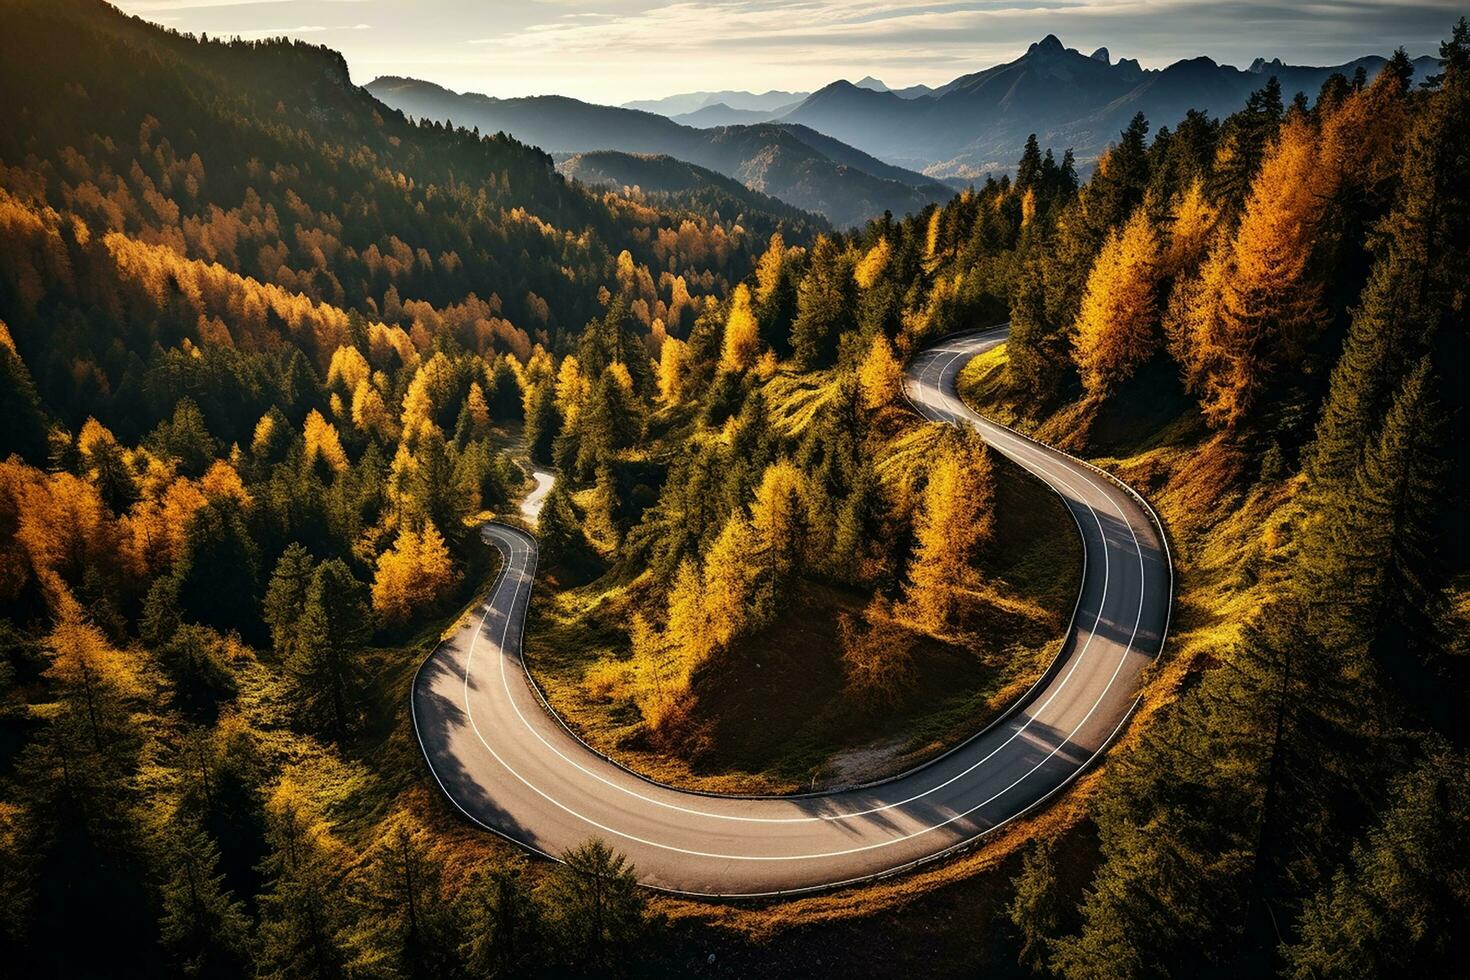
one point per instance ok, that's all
(1101, 54)
(869, 82)
(1051, 44)
(1260, 66)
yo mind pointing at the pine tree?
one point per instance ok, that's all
(203, 928)
(543, 424)
(503, 925)
(559, 529)
(404, 926)
(1028, 171)
(199, 670)
(186, 439)
(24, 432)
(1034, 907)
(285, 597)
(334, 626)
(824, 306)
(599, 911)
(302, 916)
(217, 582)
(1394, 909)
(1369, 552)
(1033, 344)
(1236, 792)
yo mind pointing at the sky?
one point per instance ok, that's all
(613, 51)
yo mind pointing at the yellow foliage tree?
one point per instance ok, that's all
(476, 405)
(673, 371)
(768, 269)
(871, 268)
(1194, 217)
(370, 414)
(91, 671)
(222, 482)
(415, 573)
(880, 375)
(730, 578)
(742, 333)
(954, 519)
(781, 520)
(63, 525)
(322, 442)
(348, 367)
(572, 388)
(1117, 324)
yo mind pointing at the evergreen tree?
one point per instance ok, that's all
(1034, 909)
(405, 926)
(503, 925)
(203, 928)
(285, 597)
(201, 675)
(599, 912)
(302, 916)
(543, 424)
(1028, 171)
(824, 306)
(187, 439)
(217, 583)
(1369, 553)
(24, 431)
(334, 627)
(559, 530)
(1394, 909)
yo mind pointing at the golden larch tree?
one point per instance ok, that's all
(1255, 304)
(1117, 325)
(673, 371)
(955, 517)
(880, 375)
(872, 266)
(742, 333)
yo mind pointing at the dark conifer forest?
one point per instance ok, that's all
(271, 352)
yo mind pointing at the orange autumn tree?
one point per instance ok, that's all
(1255, 304)
(1117, 324)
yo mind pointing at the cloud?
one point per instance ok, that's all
(614, 50)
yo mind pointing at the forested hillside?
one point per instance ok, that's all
(269, 352)
(264, 343)
(802, 167)
(1261, 323)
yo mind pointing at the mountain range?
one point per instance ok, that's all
(979, 122)
(849, 150)
(794, 163)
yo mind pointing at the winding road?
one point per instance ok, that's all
(512, 767)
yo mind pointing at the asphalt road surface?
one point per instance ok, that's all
(510, 766)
